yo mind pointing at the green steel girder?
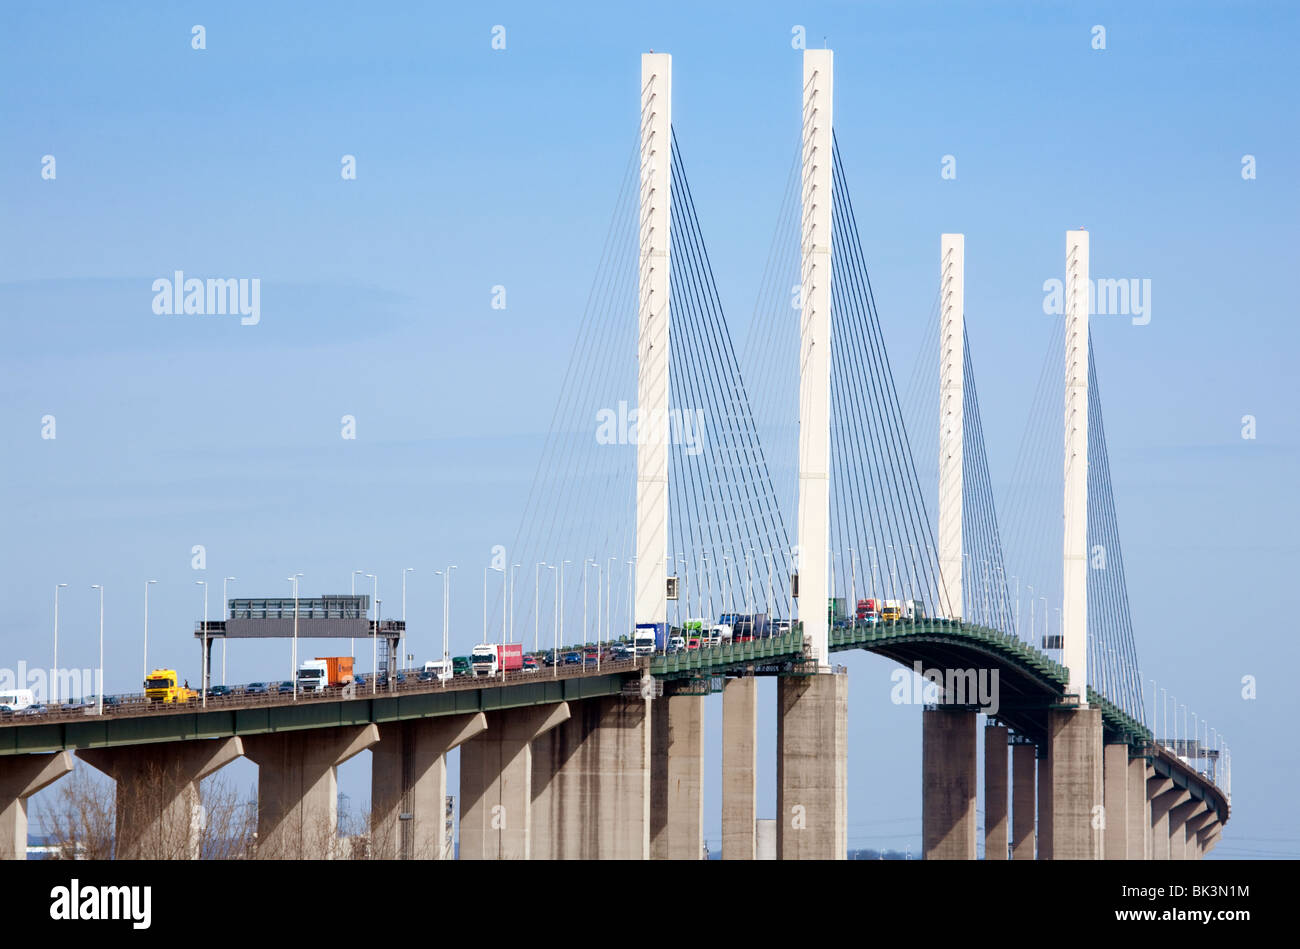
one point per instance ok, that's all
(111, 731)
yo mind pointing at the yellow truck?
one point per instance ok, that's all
(163, 686)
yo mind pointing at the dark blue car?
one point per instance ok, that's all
(573, 658)
(255, 688)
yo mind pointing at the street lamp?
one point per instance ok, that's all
(598, 605)
(55, 685)
(203, 666)
(513, 568)
(405, 571)
(294, 581)
(563, 564)
(555, 652)
(355, 574)
(100, 691)
(147, 584)
(374, 648)
(537, 601)
(225, 614)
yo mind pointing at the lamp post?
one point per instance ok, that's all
(513, 568)
(537, 603)
(563, 564)
(225, 614)
(555, 650)
(374, 649)
(355, 574)
(405, 571)
(147, 585)
(598, 606)
(294, 581)
(853, 585)
(609, 575)
(203, 666)
(55, 683)
(99, 692)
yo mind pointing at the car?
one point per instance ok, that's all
(285, 688)
(592, 658)
(220, 692)
(573, 658)
(530, 664)
(255, 688)
(359, 681)
(34, 710)
(548, 657)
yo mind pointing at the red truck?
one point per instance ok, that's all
(869, 608)
(492, 658)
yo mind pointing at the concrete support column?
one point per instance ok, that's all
(1115, 789)
(1074, 779)
(1164, 797)
(158, 813)
(1138, 843)
(948, 784)
(995, 793)
(297, 788)
(1023, 767)
(408, 785)
(496, 783)
(591, 783)
(1195, 824)
(677, 778)
(812, 767)
(1178, 827)
(1044, 839)
(1209, 838)
(739, 768)
(21, 776)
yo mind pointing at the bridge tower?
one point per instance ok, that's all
(952, 367)
(653, 316)
(1074, 606)
(815, 354)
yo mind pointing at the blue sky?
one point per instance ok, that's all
(478, 167)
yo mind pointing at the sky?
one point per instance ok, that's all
(478, 167)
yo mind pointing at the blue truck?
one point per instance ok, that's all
(650, 638)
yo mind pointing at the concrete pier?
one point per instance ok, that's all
(996, 829)
(740, 768)
(677, 778)
(1044, 849)
(1138, 846)
(948, 784)
(591, 783)
(158, 812)
(21, 776)
(496, 783)
(297, 788)
(1199, 821)
(1115, 789)
(1178, 849)
(812, 767)
(1164, 797)
(1074, 780)
(408, 785)
(1024, 764)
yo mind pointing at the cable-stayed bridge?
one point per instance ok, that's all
(727, 516)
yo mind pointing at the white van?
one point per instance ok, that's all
(17, 699)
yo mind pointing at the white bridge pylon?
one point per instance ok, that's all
(1074, 606)
(653, 317)
(952, 371)
(813, 551)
